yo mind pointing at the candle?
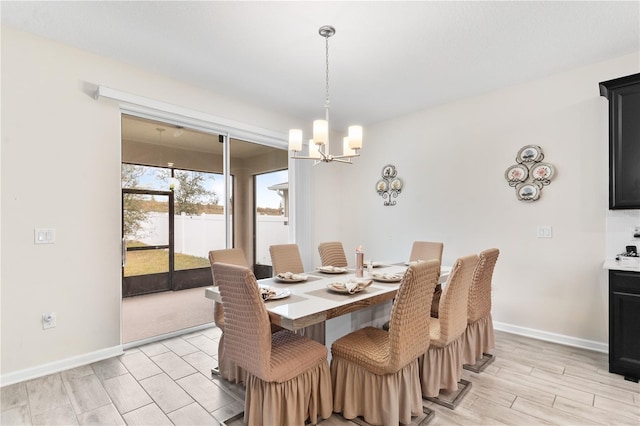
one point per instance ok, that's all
(359, 262)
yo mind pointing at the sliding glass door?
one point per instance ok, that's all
(211, 191)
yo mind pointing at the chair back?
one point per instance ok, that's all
(410, 314)
(232, 256)
(247, 329)
(425, 250)
(479, 303)
(452, 311)
(286, 258)
(332, 254)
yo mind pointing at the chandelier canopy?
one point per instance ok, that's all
(319, 145)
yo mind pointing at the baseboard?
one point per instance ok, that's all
(165, 336)
(88, 358)
(57, 366)
(552, 337)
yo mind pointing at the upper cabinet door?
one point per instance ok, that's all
(624, 141)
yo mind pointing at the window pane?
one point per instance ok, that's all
(199, 219)
(143, 262)
(145, 177)
(272, 207)
(146, 223)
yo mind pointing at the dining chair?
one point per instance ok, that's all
(375, 372)
(332, 254)
(441, 365)
(479, 337)
(425, 250)
(286, 258)
(288, 380)
(226, 368)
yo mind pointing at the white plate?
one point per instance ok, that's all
(341, 288)
(391, 278)
(373, 264)
(332, 270)
(299, 278)
(281, 294)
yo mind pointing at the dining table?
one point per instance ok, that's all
(318, 301)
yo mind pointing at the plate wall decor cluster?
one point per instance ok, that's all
(390, 185)
(529, 175)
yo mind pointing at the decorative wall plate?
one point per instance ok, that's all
(528, 192)
(382, 185)
(542, 171)
(396, 184)
(529, 154)
(516, 173)
(389, 171)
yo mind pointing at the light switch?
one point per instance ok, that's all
(44, 236)
(544, 231)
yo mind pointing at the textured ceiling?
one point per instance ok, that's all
(386, 59)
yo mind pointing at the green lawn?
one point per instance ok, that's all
(154, 261)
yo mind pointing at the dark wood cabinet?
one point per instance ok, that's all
(624, 324)
(624, 141)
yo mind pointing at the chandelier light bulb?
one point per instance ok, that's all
(295, 140)
(320, 132)
(314, 151)
(346, 147)
(355, 137)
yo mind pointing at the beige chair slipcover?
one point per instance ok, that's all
(425, 250)
(375, 372)
(479, 337)
(287, 375)
(332, 254)
(286, 258)
(441, 365)
(228, 370)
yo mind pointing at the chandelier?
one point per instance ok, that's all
(319, 145)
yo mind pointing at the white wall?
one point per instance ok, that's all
(452, 160)
(61, 155)
(61, 160)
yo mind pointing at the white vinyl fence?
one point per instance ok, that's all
(196, 235)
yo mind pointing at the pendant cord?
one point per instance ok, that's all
(327, 102)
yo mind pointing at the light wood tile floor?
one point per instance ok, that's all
(168, 382)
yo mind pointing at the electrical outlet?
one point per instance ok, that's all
(636, 232)
(48, 320)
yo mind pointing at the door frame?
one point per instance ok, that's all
(301, 224)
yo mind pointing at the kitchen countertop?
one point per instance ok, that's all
(632, 265)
